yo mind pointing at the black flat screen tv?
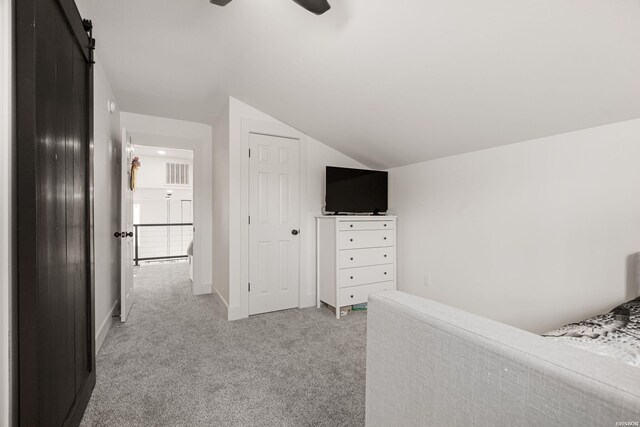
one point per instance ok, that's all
(356, 190)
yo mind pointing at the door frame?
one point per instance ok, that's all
(249, 127)
(25, 283)
(202, 163)
(7, 244)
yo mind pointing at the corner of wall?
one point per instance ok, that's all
(202, 288)
(234, 313)
(220, 204)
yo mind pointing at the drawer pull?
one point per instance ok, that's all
(352, 276)
(385, 273)
(352, 258)
(385, 238)
(385, 225)
(385, 255)
(351, 226)
(351, 296)
(351, 240)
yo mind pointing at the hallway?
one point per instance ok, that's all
(177, 361)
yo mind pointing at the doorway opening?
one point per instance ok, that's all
(162, 210)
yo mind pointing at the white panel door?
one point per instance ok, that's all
(126, 230)
(274, 223)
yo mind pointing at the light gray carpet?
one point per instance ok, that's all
(178, 362)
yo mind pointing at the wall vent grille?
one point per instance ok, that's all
(177, 174)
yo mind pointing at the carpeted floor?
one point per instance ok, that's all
(178, 362)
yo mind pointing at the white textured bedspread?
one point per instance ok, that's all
(615, 334)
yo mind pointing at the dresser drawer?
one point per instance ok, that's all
(365, 239)
(362, 275)
(361, 257)
(365, 225)
(360, 294)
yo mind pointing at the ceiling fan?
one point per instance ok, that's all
(315, 6)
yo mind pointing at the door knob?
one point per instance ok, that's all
(129, 234)
(116, 234)
(295, 232)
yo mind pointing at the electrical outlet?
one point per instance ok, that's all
(427, 280)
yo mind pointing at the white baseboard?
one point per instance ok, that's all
(223, 304)
(308, 301)
(234, 313)
(201, 289)
(102, 331)
(231, 312)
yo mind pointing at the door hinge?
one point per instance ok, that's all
(249, 287)
(249, 152)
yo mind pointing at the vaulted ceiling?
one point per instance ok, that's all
(386, 82)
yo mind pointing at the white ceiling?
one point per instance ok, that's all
(386, 82)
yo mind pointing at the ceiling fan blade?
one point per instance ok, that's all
(315, 6)
(220, 2)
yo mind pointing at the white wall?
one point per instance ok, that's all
(318, 156)
(153, 170)
(154, 209)
(151, 191)
(6, 183)
(162, 132)
(535, 234)
(107, 204)
(220, 195)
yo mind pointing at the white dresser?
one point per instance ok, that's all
(356, 256)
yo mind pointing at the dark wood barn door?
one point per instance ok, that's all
(54, 98)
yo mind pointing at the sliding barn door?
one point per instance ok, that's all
(54, 86)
